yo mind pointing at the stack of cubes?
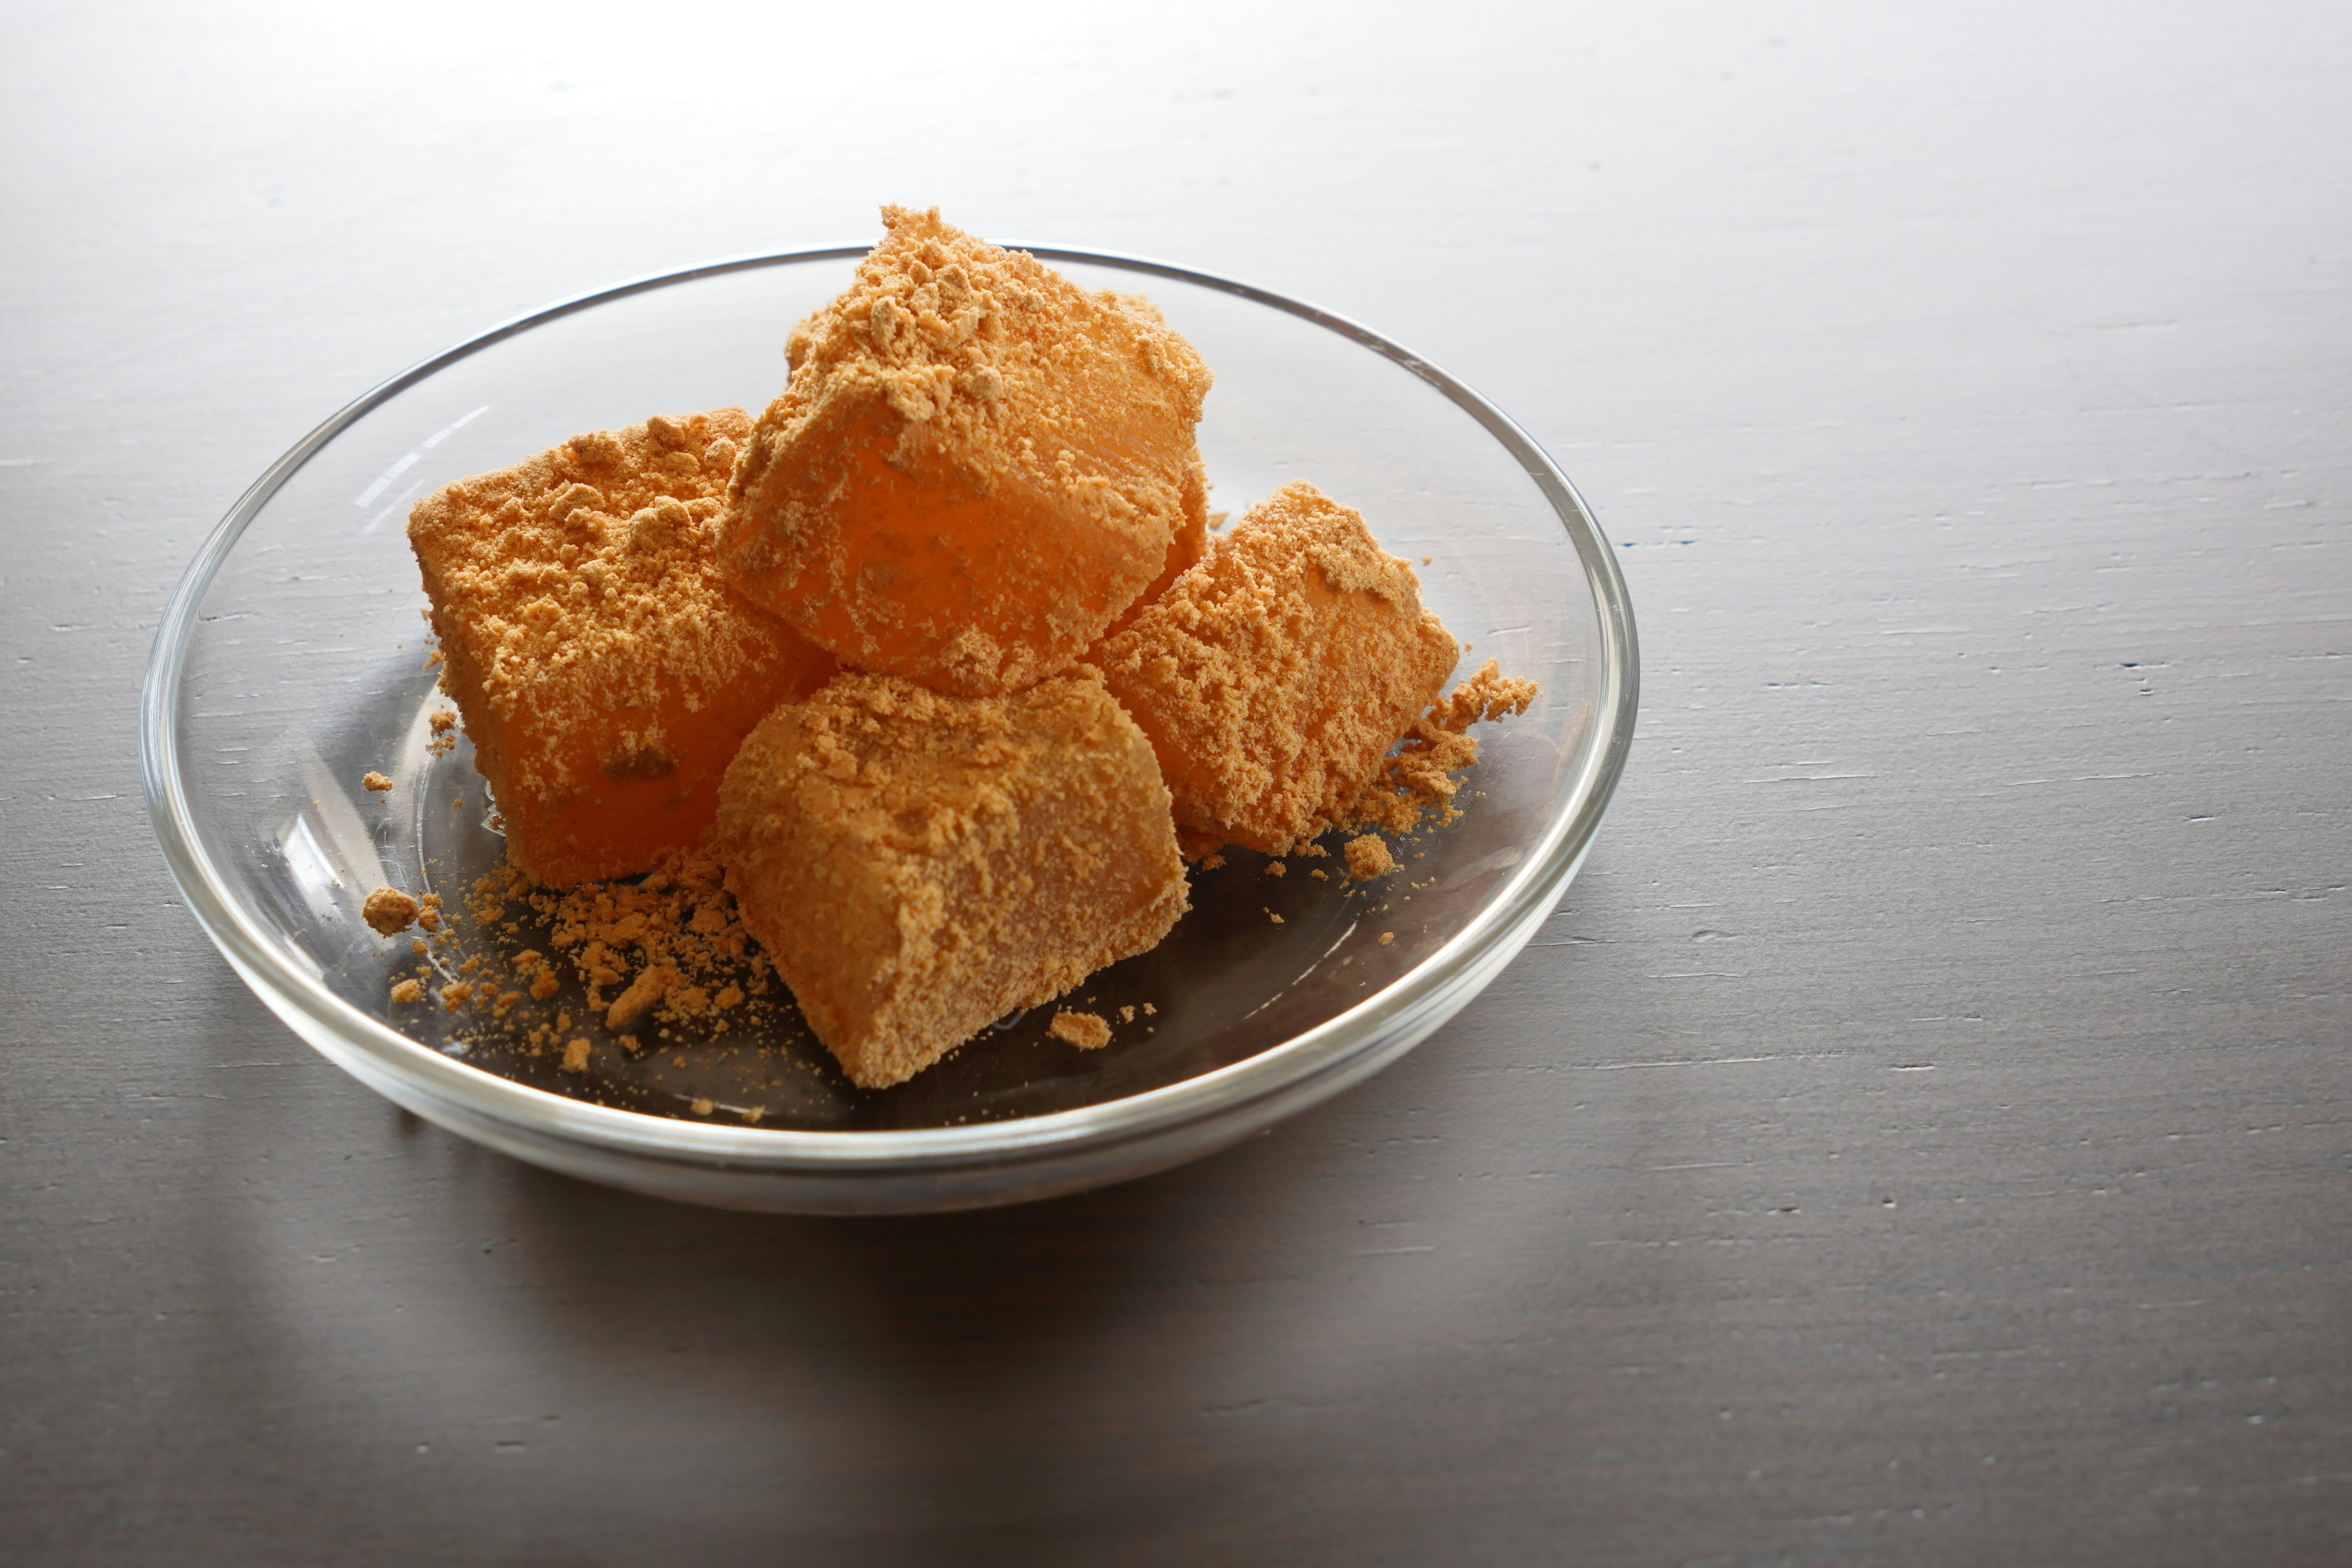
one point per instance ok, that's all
(981, 497)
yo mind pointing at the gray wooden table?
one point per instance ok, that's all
(1923, 1134)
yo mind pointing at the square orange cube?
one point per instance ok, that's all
(975, 467)
(605, 669)
(918, 865)
(1274, 676)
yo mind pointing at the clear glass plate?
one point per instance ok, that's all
(292, 662)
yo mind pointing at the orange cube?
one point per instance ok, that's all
(975, 467)
(605, 669)
(1274, 676)
(918, 865)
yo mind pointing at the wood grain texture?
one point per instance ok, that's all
(1923, 1133)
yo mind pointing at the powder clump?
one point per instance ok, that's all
(1369, 858)
(1087, 1031)
(389, 911)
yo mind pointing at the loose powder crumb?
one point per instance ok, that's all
(1276, 868)
(1369, 858)
(1127, 1015)
(1087, 1031)
(1417, 777)
(376, 781)
(1387, 937)
(406, 991)
(575, 1054)
(638, 1000)
(389, 911)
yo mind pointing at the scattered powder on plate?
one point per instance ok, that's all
(1417, 777)
(670, 946)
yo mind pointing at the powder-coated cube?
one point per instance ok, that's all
(918, 865)
(1274, 676)
(605, 669)
(974, 469)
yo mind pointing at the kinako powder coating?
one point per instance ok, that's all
(605, 669)
(974, 467)
(1272, 677)
(918, 865)
(981, 490)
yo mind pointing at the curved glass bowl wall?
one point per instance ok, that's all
(292, 661)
